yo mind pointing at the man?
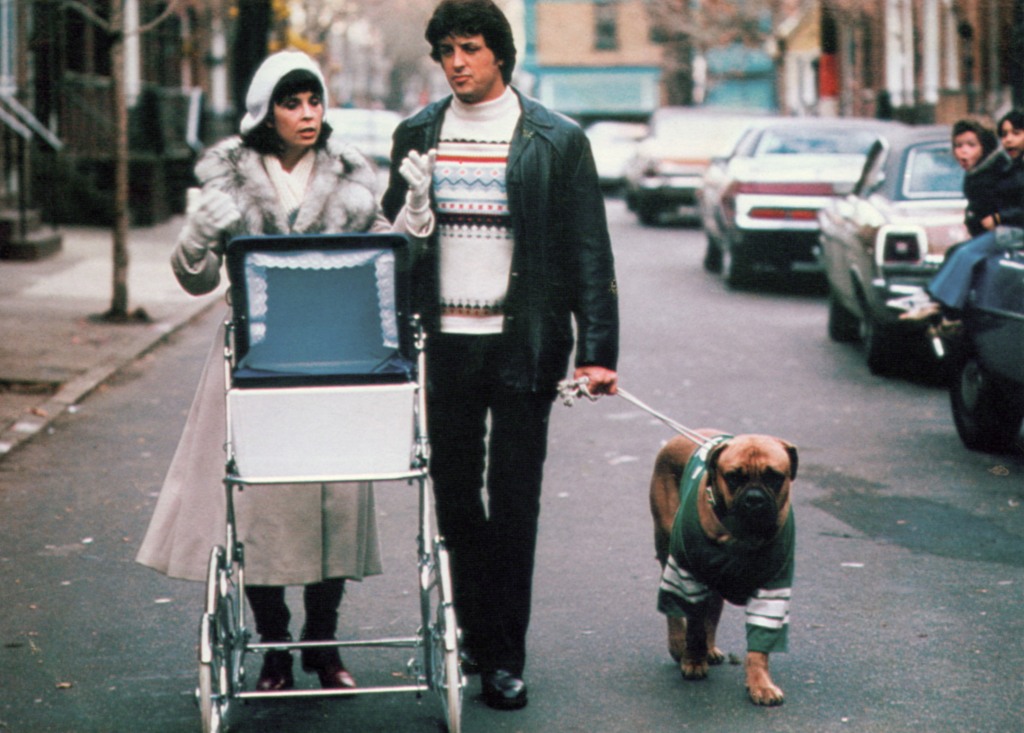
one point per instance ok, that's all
(520, 250)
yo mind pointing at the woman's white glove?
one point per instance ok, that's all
(195, 260)
(418, 171)
(210, 212)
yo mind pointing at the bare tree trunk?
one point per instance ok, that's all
(116, 28)
(119, 300)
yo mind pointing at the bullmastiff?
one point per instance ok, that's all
(724, 531)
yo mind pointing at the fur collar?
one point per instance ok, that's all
(340, 196)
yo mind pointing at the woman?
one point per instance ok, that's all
(283, 174)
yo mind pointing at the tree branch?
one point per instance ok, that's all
(89, 14)
(171, 9)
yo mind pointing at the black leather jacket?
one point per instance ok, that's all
(562, 265)
(994, 186)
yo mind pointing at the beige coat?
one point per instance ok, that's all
(293, 534)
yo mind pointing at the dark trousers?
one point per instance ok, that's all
(491, 541)
(321, 601)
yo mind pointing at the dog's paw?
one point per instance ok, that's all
(768, 695)
(760, 687)
(716, 656)
(693, 670)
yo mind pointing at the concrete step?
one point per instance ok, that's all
(11, 220)
(38, 243)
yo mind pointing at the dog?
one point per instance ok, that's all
(724, 531)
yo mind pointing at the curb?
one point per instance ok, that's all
(77, 389)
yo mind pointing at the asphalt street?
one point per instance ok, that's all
(906, 613)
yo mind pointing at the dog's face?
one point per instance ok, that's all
(749, 477)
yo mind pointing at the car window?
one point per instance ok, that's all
(703, 134)
(931, 170)
(818, 142)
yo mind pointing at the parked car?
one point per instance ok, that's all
(369, 130)
(665, 174)
(614, 143)
(760, 204)
(888, 237)
(986, 359)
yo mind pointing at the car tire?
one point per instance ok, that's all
(986, 416)
(648, 213)
(843, 325)
(879, 345)
(713, 256)
(737, 269)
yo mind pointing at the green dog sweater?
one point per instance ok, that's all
(758, 577)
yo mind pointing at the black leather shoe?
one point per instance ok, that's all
(503, 690)
(276, 673)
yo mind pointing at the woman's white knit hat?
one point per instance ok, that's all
(270, 72)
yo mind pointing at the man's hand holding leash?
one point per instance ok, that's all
(596, 380)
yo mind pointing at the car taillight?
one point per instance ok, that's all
(783, 214)
(788, 189)
(900, 246)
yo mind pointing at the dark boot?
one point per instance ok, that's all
(322, 601)
(272, 617)
(276, 672)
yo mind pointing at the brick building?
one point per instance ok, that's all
(914, 60)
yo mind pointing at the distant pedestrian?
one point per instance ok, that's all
(286, 173)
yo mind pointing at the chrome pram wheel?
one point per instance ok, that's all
(444, 670)
(220, 645)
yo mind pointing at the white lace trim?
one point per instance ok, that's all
(257, 264)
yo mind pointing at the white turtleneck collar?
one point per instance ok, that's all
(493, 120)
(506, 104)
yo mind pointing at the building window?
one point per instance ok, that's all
(8, 46)
(606, 28)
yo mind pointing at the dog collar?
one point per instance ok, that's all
(719, 510)
(709, 488)
(710, 491)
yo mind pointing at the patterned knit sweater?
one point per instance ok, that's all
(473, 222)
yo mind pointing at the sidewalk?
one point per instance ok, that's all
(52, 354)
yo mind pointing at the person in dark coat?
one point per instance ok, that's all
(976, 148)
(520, 256)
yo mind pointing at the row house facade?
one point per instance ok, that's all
(57, 113)
(591, 58)
(915, 60)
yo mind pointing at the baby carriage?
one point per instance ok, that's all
(325, 378)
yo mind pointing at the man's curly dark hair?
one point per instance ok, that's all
(469, 18)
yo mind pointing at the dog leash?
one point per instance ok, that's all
(572, 389)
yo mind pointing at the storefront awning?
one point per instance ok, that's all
(599, 91)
